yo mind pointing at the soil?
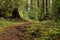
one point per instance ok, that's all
(17, 32)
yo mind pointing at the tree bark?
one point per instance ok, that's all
(0, 13)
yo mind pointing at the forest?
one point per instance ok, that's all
(29, 19)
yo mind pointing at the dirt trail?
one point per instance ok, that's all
(17, 32)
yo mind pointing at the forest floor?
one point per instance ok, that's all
(17, 32)
(43, 30)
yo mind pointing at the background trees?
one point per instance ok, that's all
(31, 9)
(56, 9)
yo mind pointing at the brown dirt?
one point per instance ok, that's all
(17, 32)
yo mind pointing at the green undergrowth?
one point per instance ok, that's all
(47, 29)
(4, 24)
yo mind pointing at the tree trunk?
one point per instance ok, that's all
(0, 13)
